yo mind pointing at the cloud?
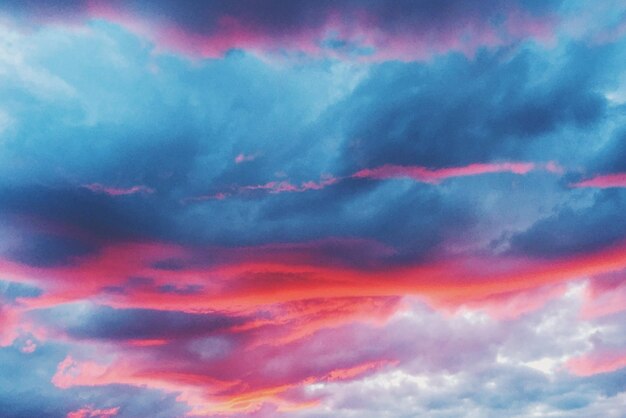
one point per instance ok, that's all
(405, 30)
(605, 295)
(244, 158)
(575, 230)
(494, 365)
(144, 324)
(49, 250)
(416, 173)
(604, 181)
(434, 176)
(418, 114)
(88, 412)
(116, 191)
(12, 291)
(599, 362)
(355, 209)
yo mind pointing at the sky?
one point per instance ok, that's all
(312, 208)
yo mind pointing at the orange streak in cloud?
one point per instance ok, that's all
(300, 319)
(301, 299)
(146, 343)
(357, 371)
(246, 285)
(199, 391)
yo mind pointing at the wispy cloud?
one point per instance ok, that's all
(118, 191)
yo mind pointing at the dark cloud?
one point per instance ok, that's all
(612, 157)
(571, 231)
(411, 221)
(170, 264)
(125, 324)
(457, 111)
(49, 251)
(62, 9)
(75, 210)
(282, 18)
(181, 290)
(500, 105)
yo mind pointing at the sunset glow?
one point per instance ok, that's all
(312, 209)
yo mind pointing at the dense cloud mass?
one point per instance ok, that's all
(312, 208)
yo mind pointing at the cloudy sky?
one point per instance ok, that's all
(312, 208)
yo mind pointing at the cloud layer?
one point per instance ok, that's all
(312, 209)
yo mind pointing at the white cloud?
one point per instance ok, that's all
(17, 66)
(525, 376)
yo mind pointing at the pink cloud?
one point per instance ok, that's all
(554, 167)
(607, 181)
(194, 383)
(272, 187)
(409, 32)
(71, 372)
(244, 158)
(118, 191)
(286, 186)
(90, 412)
(357, 371)
(249, 277)
(263, 368)
(605, 295)
(202, 198)
(9, 325)
(387, 172)
(29, 347)
(604, 361)
(510, 305)
(301, 308)
(427, 175)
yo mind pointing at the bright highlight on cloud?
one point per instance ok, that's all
(298, 209)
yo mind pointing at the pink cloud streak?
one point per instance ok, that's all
(89, 412)
(118, 191)
(617, 180)
(389, 172)
(285, 186)
(597, 362)
(244, 158)
(434, 176)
